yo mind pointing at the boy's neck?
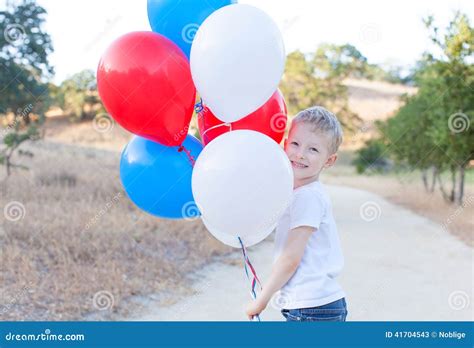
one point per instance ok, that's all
(306, 181)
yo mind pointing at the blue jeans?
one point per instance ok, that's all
(334, 311)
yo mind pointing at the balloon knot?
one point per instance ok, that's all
(198, 107)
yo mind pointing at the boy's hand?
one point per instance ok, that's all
(254, 308)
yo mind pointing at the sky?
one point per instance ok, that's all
(390, 33)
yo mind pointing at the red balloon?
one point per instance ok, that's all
(145, 83)
(269, 119)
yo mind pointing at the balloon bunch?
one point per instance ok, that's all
(240, 181)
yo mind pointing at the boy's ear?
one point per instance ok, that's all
(331, 160)
(284, 143)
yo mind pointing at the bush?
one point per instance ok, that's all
(371, 157)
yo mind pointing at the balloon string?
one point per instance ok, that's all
(188, 153)
(255, 280)
(216, 126)
(199, 108)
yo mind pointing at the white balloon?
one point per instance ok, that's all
(237, 60)
(242, 183)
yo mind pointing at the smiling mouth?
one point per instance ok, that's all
(298, 165)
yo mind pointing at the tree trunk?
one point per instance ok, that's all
(7, 165)
(462, 173)
(441, 187)
(433, 179)
(424, 177)
(452, 196)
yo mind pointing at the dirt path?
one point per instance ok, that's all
(399, 267)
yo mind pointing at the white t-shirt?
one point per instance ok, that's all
(313, 284)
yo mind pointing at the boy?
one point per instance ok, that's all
(308, 255)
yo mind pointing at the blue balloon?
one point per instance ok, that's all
(157, 178)
(180, 20)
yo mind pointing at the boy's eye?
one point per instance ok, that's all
(294, 143)
(314, 149)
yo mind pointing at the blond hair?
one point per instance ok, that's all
(323, 121)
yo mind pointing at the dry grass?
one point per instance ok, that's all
(375, 100)
(372, 101)
(107, 135)
(406, 189)
(81, 235)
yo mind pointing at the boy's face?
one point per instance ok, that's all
(308, 151)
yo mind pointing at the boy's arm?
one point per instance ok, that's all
(284, 267)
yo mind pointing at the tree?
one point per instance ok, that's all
(316, 79)
(78, 96)
(433, 129)
(24, 50)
